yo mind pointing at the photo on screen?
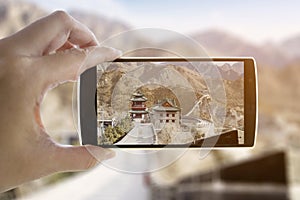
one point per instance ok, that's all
(163, 103)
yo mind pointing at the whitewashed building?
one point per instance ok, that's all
(165, 112)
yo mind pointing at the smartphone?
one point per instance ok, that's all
(155, 102)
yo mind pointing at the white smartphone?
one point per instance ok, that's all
(155, 102)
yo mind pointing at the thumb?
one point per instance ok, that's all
(96, 55)
(78, 158)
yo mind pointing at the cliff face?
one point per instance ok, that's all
(174, 81)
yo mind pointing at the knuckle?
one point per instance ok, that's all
(63, 16)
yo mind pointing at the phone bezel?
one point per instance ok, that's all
(87, 123)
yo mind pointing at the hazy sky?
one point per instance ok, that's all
(255, 20)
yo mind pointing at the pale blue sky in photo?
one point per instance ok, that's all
(257, 20)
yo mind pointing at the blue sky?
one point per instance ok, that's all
(257, 20)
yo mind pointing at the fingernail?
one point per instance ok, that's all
(111, 53)
(118, 52)
(98, 55)
(109, 154)
(100, 153)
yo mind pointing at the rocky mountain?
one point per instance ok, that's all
(118, 83)
(221, 43)
(238, 68)
(231, 72)
(227, 71)
(174, 81)
(230, 75)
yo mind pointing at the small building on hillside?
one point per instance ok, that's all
(139, 109)
(102, 124)
(165, 112)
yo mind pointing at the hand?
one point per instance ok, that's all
(48, 52)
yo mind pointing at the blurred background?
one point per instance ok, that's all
(269, 31)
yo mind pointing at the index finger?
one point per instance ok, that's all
(52, 32)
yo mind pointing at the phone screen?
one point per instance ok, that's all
(170, 103)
